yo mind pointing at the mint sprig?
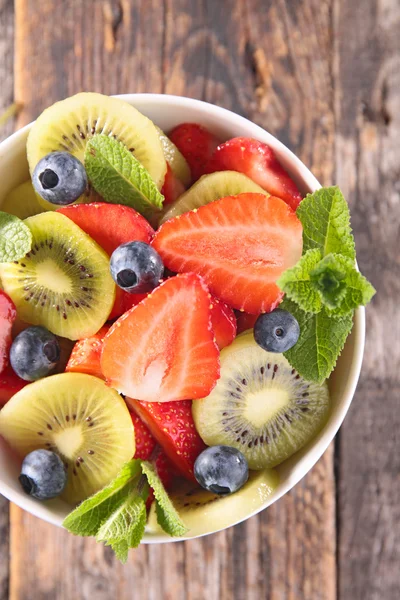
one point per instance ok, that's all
(15, 238)
(324, 288)
(117, 516)
(119, 177)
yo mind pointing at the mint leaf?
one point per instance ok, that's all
(341, 287)
(126, 523)
(325, 217)
(119, 177)
(167, 515)
(89, 516)
(121, 550)
(320, 342)
(297, 285)
(15, 238)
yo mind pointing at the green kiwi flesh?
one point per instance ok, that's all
(64, 282)
(261, 406)
(22, 201)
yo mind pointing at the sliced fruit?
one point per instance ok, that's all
(223, 322)
(69, 124)
(210, 188)
(171, 423)
(127, 225)
(163, 348)
(204, 512)
(245, 321)
(64, 282)
(196, 144)
(110, 225)
(239, 244)
(10, 384)
(85, 355)
(8, 314)
(261, 406)
(258, 161)
(22, 201)
(173, 187)
(146, 450)
(175, 159)
(77, 416)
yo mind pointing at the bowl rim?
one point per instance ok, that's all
(229, 118)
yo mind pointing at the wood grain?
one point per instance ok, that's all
(6, 98)
(367, 83)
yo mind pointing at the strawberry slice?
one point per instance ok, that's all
(8, 314)
(257, 161)
(85, 355)
(10, 384)
(111, 225)
(223, 322)
(172, 188)
(163, 348)
(145, 442)
(171, 423)
(245, 321)
(196, 144)
(239, 244)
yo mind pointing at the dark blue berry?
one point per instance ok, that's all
(136, 267)
(59, 178)
(34, 353)
(276, 331)
(43, 475)
(221, 469)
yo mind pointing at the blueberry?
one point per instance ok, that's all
(276, 331)
(221, 469)
(43, 475)
(136, 267)
(59, 178)
(34, 353)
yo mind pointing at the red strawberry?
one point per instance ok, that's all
(8, 314)
(196, 144)
(223, 322)
(171, 423)
(245, 321)
(111, 225)
(10, 384)
(239, 244)
(85, 355)
(163, 348)
(172, 188)
(257, 161)
(145, 442)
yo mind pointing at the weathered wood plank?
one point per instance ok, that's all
(246, 56)
(6, 98)
(367, 82)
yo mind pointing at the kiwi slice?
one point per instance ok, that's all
(204, 512)
(175, 159)
(212, 187)
(260, 405)
(22, 201)
(81, 419)
(64, 282)
(67, 126)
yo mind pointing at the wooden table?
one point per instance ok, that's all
(323, 76)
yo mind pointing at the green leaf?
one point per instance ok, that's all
(89, 516)
(15, 238)
(320, 342)
(341, 287)
(119, 177)
(325, 217)
(127, 523)
(167, 515)
(121, 550)
(297, 285)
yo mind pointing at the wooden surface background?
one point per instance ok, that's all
(324, 76)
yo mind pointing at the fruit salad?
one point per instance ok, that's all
(171, 309)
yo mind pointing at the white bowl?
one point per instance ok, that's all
(168, 111)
